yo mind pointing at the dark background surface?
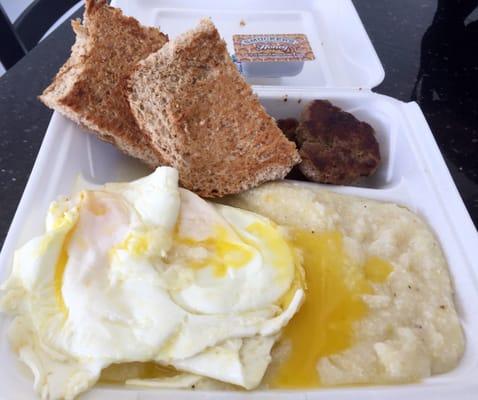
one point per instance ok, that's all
(429, 50)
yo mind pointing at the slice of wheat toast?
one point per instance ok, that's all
(90, 87)
(204, 119)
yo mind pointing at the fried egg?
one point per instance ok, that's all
(145, 271)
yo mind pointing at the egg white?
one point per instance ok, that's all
(258, 283)
(111, 282)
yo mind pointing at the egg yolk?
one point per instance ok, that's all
(377, 270)
(279, 253)
(324, 324)
(223, 252)
(136, 244)
(60, 270)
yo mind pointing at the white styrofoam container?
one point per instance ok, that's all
(344, 56)
(413, 173)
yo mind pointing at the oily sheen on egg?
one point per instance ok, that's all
(147, 272)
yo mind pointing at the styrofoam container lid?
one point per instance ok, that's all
(344, 55)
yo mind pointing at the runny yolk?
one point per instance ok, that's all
(223, 252)
(324, 324)
(278, 252)
(377, 270)
(226, 252)
(136, 243)
(60, 270)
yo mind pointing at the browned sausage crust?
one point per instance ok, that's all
(335, 146)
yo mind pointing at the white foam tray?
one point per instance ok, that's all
(344, 55)
(413, 174)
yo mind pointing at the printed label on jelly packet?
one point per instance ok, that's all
(272, 47)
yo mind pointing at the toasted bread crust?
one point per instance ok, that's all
(204, 119)
(90, 87)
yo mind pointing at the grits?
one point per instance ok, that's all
(411, 329)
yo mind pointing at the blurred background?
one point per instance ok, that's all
(29, 21)
(14, 8)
